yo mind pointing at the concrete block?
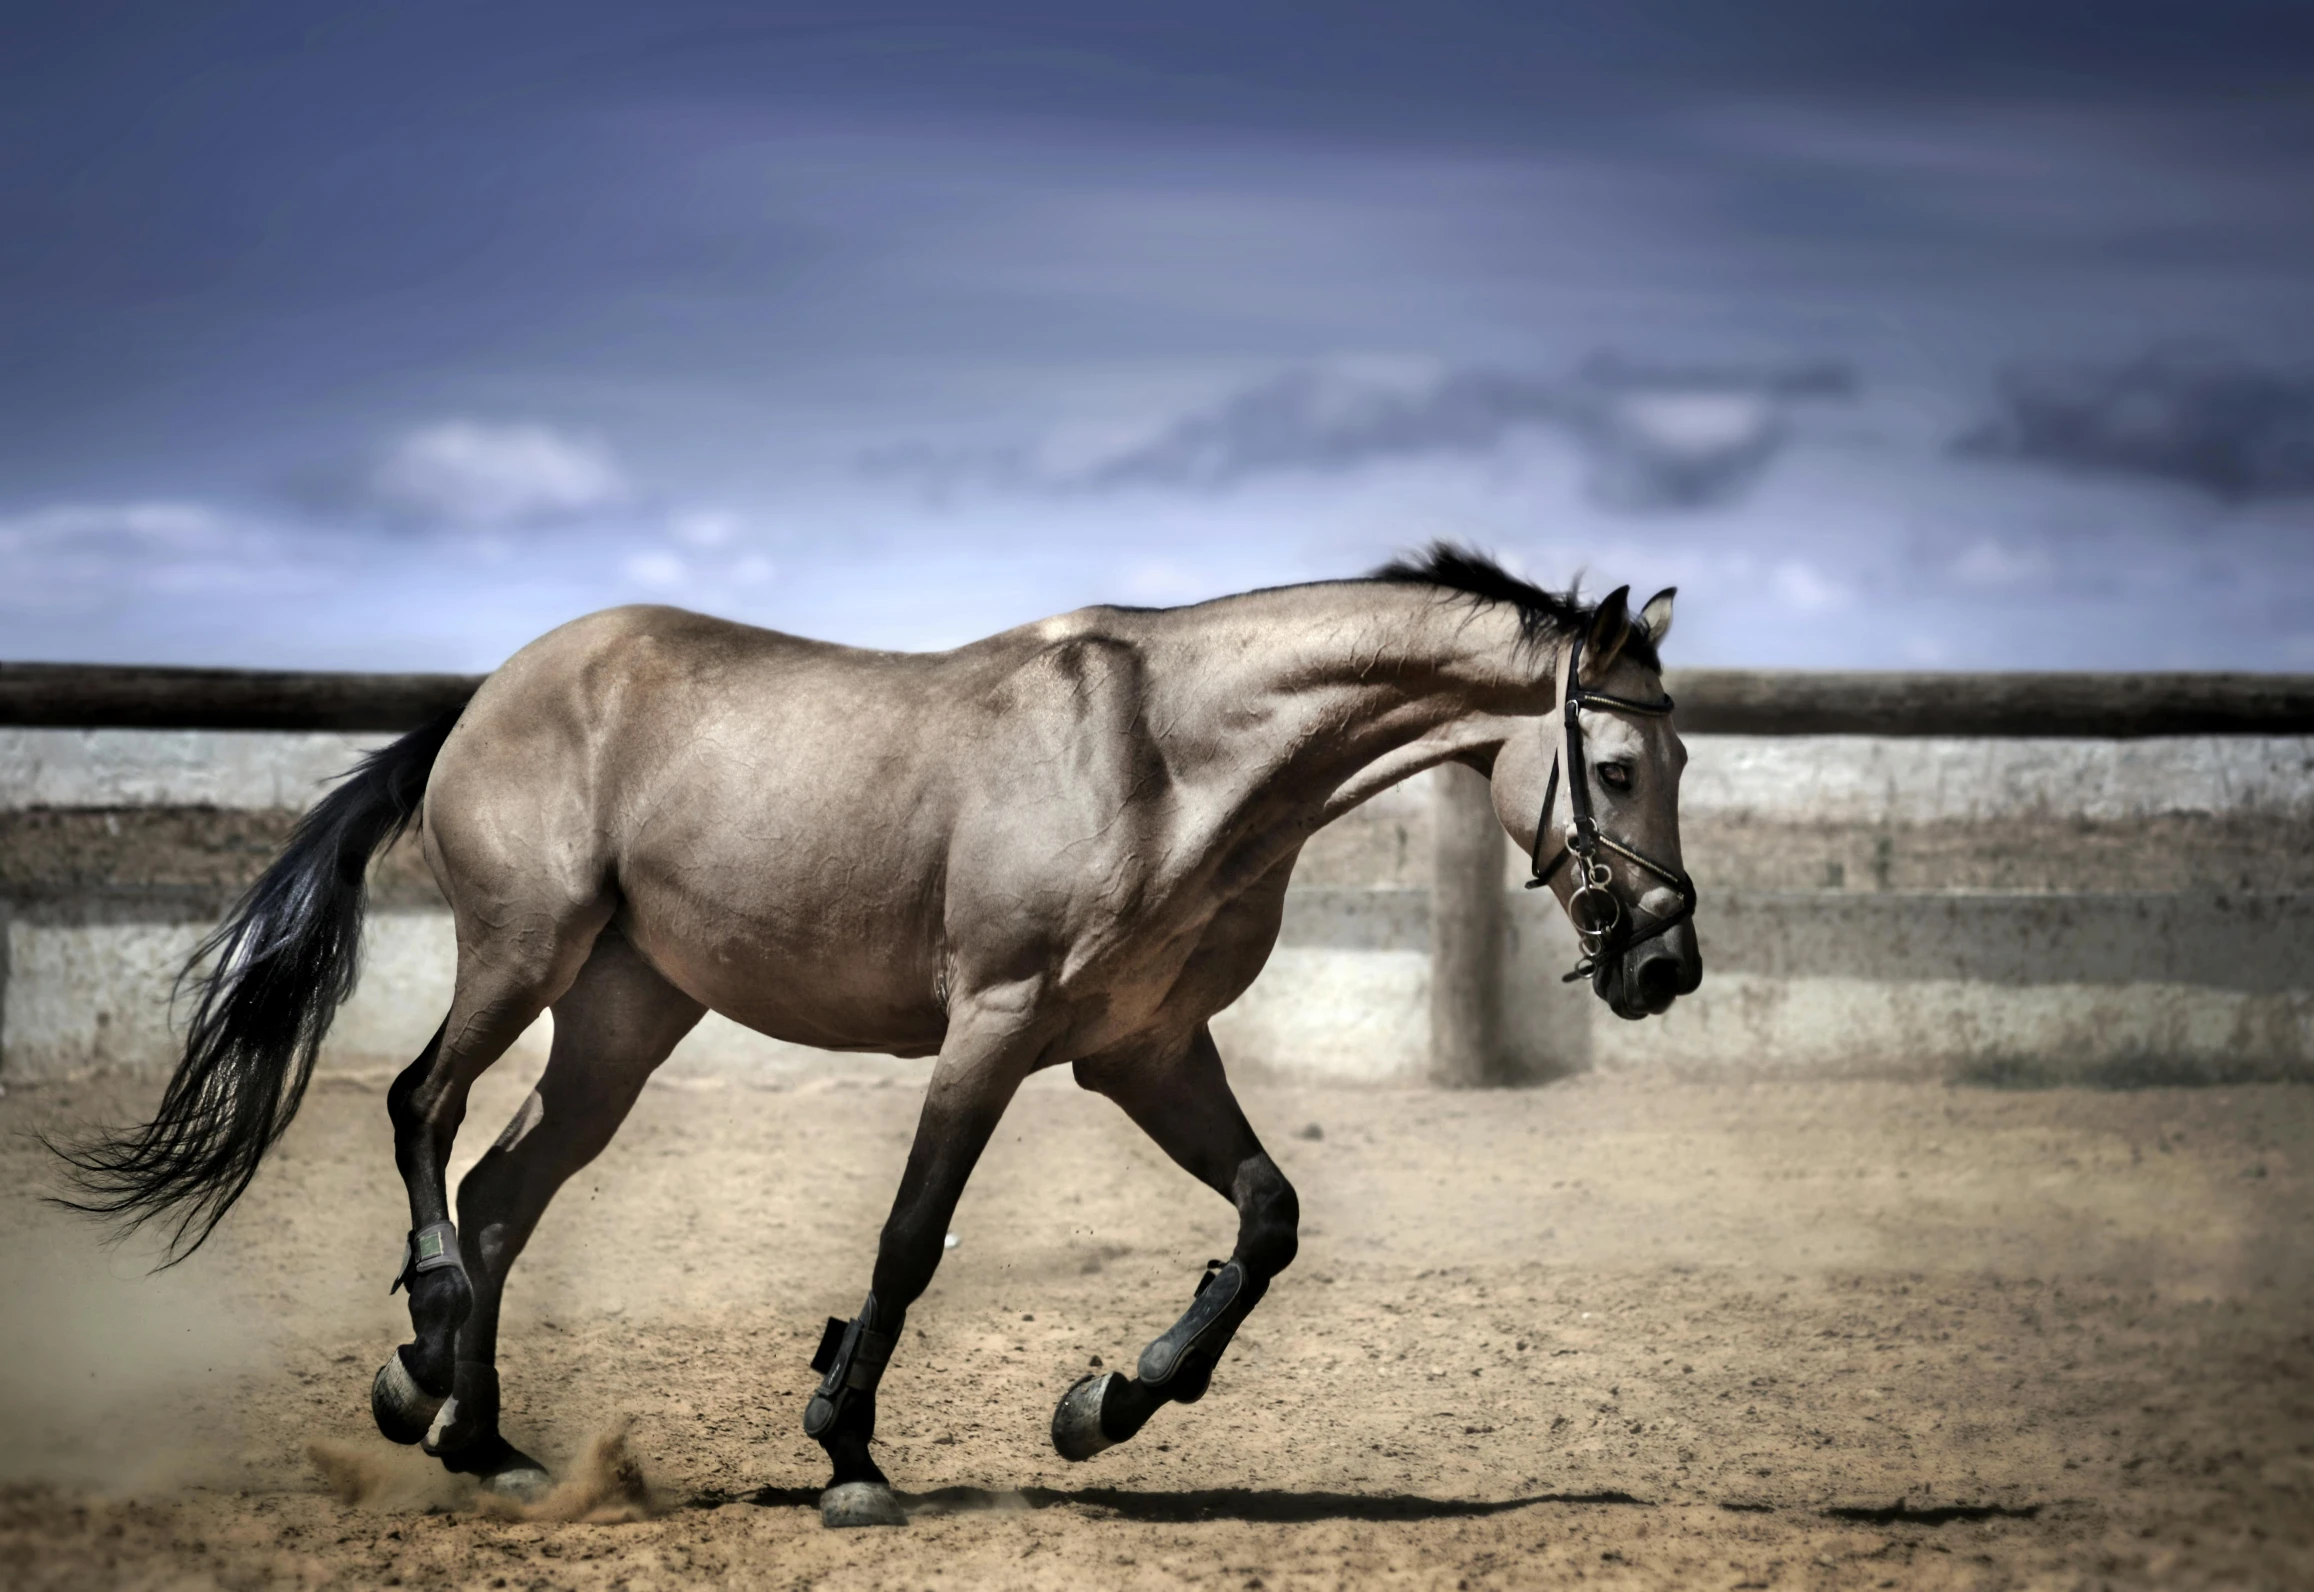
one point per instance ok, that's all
(243, 770)
(1834, 1027)
(1853, 778)
(90, 989)
(1343, 1016)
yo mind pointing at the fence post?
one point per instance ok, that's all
(1469, 923)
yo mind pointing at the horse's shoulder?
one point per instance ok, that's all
(1082, 664)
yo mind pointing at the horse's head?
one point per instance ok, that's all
(1597, 807)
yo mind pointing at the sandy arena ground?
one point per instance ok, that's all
(1619, 1331)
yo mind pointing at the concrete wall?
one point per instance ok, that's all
(2003, 909)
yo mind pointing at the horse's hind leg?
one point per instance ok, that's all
(612, 1028)
(1183, 1101)
(504, 981)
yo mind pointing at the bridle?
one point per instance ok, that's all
(1601, 926)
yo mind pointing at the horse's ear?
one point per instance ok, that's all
(1610, 629)
(1655, 618)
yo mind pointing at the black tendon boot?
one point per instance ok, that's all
(1102, 1411)
(409, 1389)
(841, 1417)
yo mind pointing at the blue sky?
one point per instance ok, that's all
(1945, 334)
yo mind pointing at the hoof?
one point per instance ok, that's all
(860, 1503)
(524, 1479)
(403, 1410)
(1077, 1430)
(499, 1467)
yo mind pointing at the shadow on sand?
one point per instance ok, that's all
(1898, 1513)
(1261, 1505)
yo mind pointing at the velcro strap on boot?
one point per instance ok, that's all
(851, 1359)
(871, 1352)
(430, 1248)
(831, 1344)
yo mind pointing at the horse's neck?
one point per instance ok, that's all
(1299, 704)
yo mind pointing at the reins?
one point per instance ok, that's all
(1594, 909)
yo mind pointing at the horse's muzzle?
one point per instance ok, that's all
(1645, 980)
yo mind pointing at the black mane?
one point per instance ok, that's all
(1544, 616)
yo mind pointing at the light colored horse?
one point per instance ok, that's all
(1065, 844)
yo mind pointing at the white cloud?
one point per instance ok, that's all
(1166, 580)
(1683, 449)
(660, 571)
(705, 529)
(153, 524)
(82, 557)
(1993, 563)
(1656, 438)
(1807, 588)
(477, 474)
(663, 569)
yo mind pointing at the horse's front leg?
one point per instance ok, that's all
(1182, 1100)
(990, 1048)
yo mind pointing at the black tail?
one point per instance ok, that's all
(276, 972)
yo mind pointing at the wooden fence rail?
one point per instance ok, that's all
(116, 696)
(1711, 701)
(2089, 706)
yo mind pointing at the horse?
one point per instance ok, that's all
(1067, 843)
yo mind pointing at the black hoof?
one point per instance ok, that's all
(525, 1481)
(1099, 1412)
(500, 1467)
(403, 1410)
(860, 1503)
(1077, 1433)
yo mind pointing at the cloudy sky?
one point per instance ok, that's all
(1961, 333)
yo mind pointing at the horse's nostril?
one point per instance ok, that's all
(1656, 981)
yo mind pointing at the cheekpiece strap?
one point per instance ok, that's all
(433, 1247)
(1578, 793)
(1538, 871)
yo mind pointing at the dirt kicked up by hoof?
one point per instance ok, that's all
(604, 1486)
(860, 1503)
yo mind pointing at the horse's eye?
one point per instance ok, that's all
(1615, 776)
